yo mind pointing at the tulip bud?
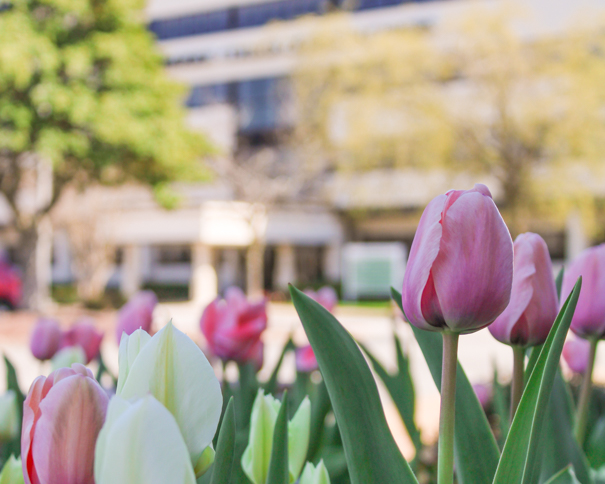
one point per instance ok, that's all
(326, 296)
(205, 461)
(174, 370)
(533, 306)
(12, 472)
(305, 359)
(9, 416)
(45, 339)
(140, 443)
(256, 457)
(484, 393)
(589, 317)
(233, 327)
(136, 314)
(315, 475)
(67, 357)
(62, 416)
(460, 268)
(84, 334)
(576, 352)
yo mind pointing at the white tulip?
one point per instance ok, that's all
(315, 475)
(140, 443)
(172, 368)
(257, 456)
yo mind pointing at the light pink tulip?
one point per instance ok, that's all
(326, 296)
(305, 359)
(533, 305)
(460, 268)
(84, 334)
(45, 339)
(589, 317)
(62, 416)
(576, 352)
(136, 314)
(233, 327)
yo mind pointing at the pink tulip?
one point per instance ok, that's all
(233, 327)
(84, 334)
(576, 352)
(136, 314)
(484, 393)
(533, 306)
(326, 296)
(305, 359)
(460, 268)
(62, 416)
(589, 317)
(45, 339)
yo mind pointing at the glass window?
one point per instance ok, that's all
(202, 23)
(368, 4)
(205, 95)
(262, 104)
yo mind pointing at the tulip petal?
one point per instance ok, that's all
(71, 417)
(141, 444)
(423, 253)
(257, 456)
(130, 347)
(175, 371)
(315, 475)
(473, 270)
(298, 438)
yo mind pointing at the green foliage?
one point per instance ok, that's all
(475, 448)
(565, 476)
(12, 383)
(278, 466)
(371, 452)
(520, 462)
(223, 462)
(82, 86)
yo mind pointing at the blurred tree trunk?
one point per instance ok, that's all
(33, 254)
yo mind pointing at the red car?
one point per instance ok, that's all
(10, 286)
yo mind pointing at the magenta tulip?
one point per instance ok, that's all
(576, 353)
(84, 334)
(589, 317)
(305, 359)
(233, 327)
(326, 296)
(533, 306)
(137, 313)
(45, 339)
(460, 268)
(62, 416)
(484, 393)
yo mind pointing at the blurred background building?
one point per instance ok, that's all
(237, 57)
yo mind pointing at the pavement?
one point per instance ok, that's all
(479, 353)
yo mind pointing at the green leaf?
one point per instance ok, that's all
(596, 445)
(501, 407)
(278, 466)
(401, 388)
(320, 406)
(225, 449)
(372, 454)
(519, 462)
(565, 476)
(558, 446)
(559, 282)
(271, 383)
(14, 447)
(476, 450)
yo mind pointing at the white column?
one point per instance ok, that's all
(331, 263)
(131, 277)
(575, 236)
(204, 284)
(284, 272)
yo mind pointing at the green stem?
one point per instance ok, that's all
(445, 463)
(518, 379)
(585, 391)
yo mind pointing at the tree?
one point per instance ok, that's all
(83, 98)
(472, 95)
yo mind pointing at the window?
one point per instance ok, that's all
(261, 104)
(368, 4)
(202, 23)
(205, 95)
(173, 254)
